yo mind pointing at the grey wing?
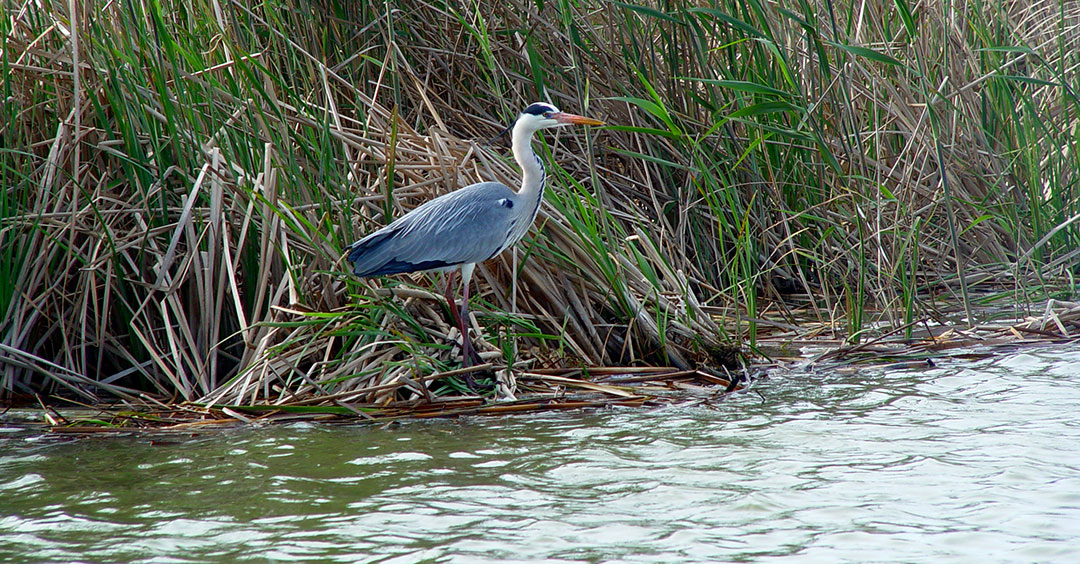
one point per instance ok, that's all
(465, 226)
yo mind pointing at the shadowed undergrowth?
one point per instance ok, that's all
(179, 179)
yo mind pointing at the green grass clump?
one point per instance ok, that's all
(179, 178)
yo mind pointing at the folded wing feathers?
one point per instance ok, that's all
(468, 225)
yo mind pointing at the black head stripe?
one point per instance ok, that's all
(539, 108)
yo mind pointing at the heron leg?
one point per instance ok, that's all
(468, 352)
(448, 292)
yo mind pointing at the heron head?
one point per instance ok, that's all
(541, 115)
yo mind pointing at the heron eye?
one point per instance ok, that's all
(506, 203)
(547, 115)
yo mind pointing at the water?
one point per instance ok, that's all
(970, 461)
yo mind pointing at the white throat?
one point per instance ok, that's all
(532, 170)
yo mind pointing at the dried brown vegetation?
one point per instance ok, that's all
(179, 179)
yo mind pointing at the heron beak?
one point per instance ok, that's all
(571, 119)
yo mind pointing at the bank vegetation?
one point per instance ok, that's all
(178, 180)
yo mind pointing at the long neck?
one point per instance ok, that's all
(532, 169)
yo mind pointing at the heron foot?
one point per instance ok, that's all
(469, 357)
(480, 386)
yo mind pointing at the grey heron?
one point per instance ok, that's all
(466, 226)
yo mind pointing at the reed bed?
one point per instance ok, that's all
(546, 390)
(179, 178)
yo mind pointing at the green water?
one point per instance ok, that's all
(970, 461)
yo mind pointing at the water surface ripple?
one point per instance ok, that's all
(970, 460)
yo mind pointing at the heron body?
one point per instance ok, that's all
(443, 225)
(467, 226)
